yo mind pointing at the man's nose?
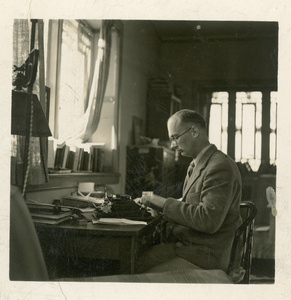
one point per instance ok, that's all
(173, 145)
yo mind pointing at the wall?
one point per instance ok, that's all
(245, 60)
(49, 196)
(140, 51)
(107, 127)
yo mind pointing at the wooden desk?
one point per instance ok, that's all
(114, 242)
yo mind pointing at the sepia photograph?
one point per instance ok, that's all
(144, 152)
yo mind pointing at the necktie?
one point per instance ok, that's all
(189, 173)
(190, 168)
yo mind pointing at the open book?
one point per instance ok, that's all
(117, 221)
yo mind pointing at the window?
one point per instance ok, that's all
(248, 125)
(248, 128)
(273, 128)
(75, 62)
(219, 120)
(75, 57)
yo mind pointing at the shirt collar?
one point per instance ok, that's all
(198, 157)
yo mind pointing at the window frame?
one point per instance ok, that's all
(202, 90)
(52, 81)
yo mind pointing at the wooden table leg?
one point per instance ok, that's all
(133, 254)
(128, 249)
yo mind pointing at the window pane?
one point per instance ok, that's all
(74, 75)
(218, 123)
(256, 98)
(248, 127)
(215, 125)
(238, 125)
(273, 119)
(272, 148)
(248, 131)
(224, 121)
(273, 127)
(224, 141)
(257, 161)
(45, 42)
(219, 97)
(241, 96)
(238, 112)
(238, 146)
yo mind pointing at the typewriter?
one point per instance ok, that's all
(122, 206)
(109, 206)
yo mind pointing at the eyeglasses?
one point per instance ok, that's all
(174, 139)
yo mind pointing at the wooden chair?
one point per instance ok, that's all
(246, 231)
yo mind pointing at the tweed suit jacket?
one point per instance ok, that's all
(206, 219)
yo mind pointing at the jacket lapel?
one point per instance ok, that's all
(198, 168)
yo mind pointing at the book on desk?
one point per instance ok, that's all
(49, 213)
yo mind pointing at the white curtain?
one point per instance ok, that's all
(88, 123)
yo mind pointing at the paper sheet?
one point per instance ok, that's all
(117, 221)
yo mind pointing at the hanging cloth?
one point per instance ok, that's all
(88, 123)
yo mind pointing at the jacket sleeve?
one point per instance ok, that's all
(207, 213)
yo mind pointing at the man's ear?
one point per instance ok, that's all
(195, 131)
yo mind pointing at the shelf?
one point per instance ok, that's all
(71, 180)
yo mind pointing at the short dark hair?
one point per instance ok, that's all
(190, 116)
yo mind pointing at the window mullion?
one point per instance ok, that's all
(266, 102)
(57, 83)
(231, 124)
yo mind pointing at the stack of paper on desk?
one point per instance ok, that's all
(117, 221)
(48, 213)
(51, 218)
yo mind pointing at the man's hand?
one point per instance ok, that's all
(153, 201)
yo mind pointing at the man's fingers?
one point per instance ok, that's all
(145, 200)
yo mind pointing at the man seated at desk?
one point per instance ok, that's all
(202, 224)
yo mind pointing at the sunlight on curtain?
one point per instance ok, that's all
(74, 91)
(74, 75)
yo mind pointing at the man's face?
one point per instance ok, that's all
(181, 137)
